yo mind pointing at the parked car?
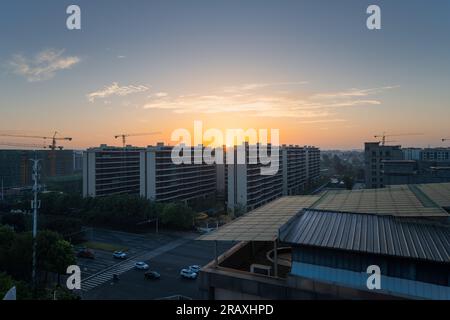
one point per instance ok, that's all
(195, 268)
(86, 253)
(189, 274)
(141, 265)
(119, 255)
(152, 275)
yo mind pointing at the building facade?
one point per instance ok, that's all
(15, 166)
(148, 172)
(166, 181)
(247, 188)
(374, 155)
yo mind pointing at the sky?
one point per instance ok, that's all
(311, 69)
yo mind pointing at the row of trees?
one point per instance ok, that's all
(53, 255)
(66, 213)
(118, 211)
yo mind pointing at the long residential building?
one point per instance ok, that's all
(166, 181)
(148, 172)
(247, 188)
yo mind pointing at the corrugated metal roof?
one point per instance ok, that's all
(384, 235)
(394, 200)
(263, 223)
(438, 192)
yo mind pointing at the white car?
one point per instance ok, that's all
(189, 274)
(141, 265)
(119, 255)
(194, 268)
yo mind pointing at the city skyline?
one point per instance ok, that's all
(311, 69)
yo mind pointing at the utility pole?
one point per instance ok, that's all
(35, 204)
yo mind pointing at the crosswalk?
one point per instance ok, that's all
(124, 266)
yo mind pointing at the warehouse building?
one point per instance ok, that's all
(319, 247)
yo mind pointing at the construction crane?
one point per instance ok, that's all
(22, 145)
(54, 138)
(53, 147)
(384, 136)
(124, 136)
(445, 139)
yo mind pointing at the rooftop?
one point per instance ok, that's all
(369, 233)
(263, 223)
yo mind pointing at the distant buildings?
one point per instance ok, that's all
(15, 165)
(374, 155)
(391, 165)
(151, 173)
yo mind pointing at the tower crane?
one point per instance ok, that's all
(124, 136)
(384, 136)
(23, 145)
(53, 138)
(445, 139)
(53, 147)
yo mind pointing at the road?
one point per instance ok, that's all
(165, 253)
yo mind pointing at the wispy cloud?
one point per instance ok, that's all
(315, 108)
(352, 93)
(116, 90)
(43, 66)
(256, 86)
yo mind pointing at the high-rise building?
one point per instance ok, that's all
(374, 155)
(166, 181)
(247, 188)
(148, 172)
(113, 170)
(312, 157)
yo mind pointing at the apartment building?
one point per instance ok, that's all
(312, 156)
(247, 188)
(166, 181)
(435, 154)
(113, 170)
(374, 155)
(148, 172)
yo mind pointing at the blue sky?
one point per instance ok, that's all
(310, 68)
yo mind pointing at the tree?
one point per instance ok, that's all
(6, 283)
(15, 220)
(6, 240)
(177, 215)
(54, 254)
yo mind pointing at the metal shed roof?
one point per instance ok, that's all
(401, 200)
(438, 192)
(383, 235)
(262, 224)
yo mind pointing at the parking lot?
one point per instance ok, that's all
(165, 253)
